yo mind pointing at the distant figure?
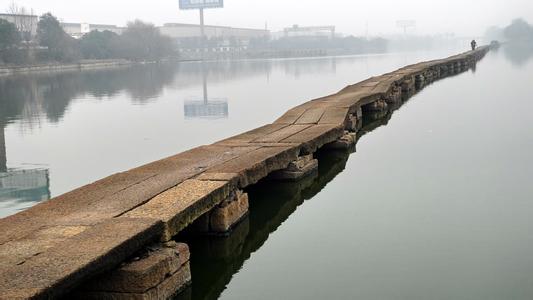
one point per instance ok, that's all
(473, 44)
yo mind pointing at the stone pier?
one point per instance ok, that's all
(226, 215)
(298, 169)
(90, 241)
(159, 273)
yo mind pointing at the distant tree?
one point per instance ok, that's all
(100, 45)
(9, 40)
(143, 41)
(518, 30)
(50, 34)
(9, 35)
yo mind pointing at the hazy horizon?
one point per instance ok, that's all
(373, 17)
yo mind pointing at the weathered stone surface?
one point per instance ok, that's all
(335, 116)
(18, 251)
(297, 170)
(282, 134)
(258, 164)
(95, 250)
(142, 273)
(252, 135)
(291, 116)
(170, 287)
(229, 213)
(232, 178)
(311, 116)
(300, 163)
(316, 136)
(181, 205)
(347, 141)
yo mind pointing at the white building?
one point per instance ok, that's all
(78, 30)
(309, 31)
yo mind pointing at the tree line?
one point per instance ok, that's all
(140, 41)
(518, 31)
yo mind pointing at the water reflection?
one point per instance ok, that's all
(216, 259)
(519, 53)
(3, 155)
(206, 108)
(23, 188)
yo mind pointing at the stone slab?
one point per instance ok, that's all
(316, 136)
(311, 116)
(258, 164)
(335, 116)
(181, 205)
(281, 134)
(18, 251)
(56, 271)
(252, 135)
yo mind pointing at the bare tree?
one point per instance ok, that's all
(24, 19)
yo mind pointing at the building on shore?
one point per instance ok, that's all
(219, 38)
(26, 24)
(297, 31)
(78, 30)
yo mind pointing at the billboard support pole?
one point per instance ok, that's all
(202, 33)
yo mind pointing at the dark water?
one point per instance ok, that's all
(62, 131)
(437, 204)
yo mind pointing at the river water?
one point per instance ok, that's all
(434, 205)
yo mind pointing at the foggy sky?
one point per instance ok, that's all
(462, 17)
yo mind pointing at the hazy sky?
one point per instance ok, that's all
(350, 16)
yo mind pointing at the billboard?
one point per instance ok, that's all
(197, 4)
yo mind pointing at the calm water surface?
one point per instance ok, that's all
(435, 205)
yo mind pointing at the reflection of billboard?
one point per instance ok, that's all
(213, 109)
(197, 4)
(20, 189)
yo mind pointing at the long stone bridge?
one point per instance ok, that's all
(113, 239)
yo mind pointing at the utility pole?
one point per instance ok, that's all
(201, 5)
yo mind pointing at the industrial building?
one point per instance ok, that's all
(309, 32)
(220, 38)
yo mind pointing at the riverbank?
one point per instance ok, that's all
(116, 217)
(59, 67)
